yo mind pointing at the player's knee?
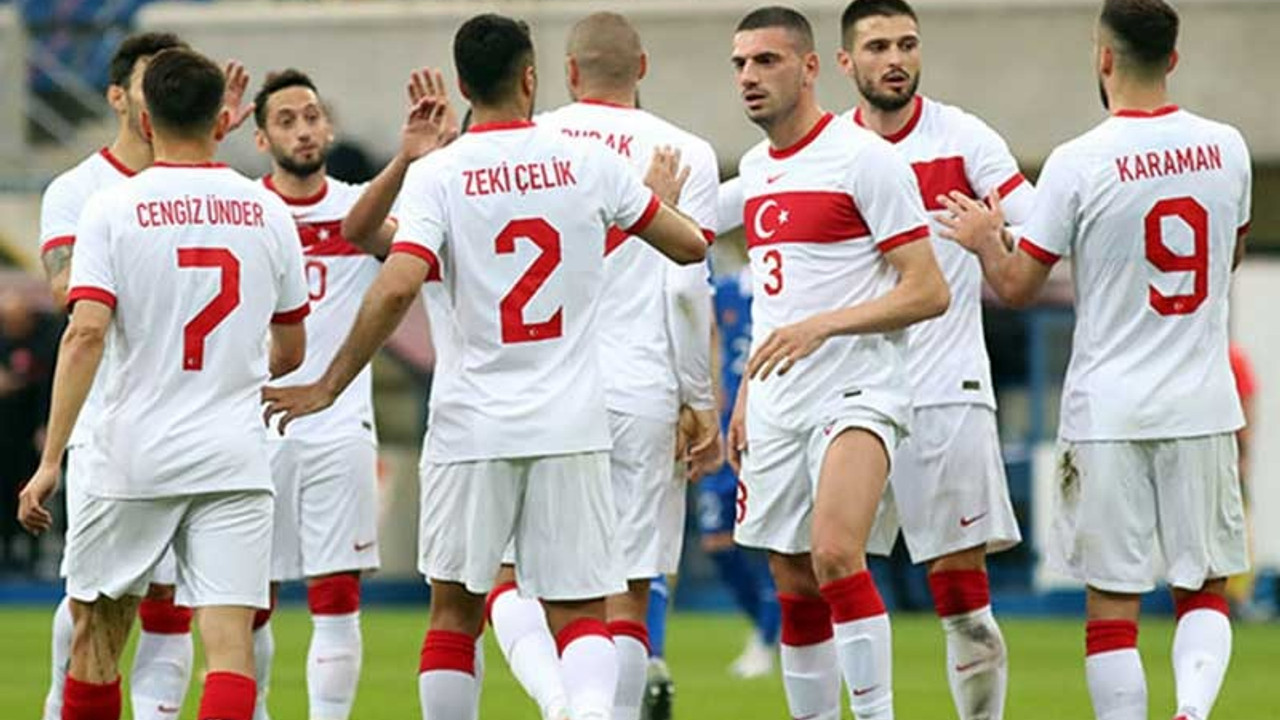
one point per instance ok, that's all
(793, 574)
(835, 558)
(334, 594)
(160, 592)
(456, 610)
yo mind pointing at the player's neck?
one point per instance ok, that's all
(135, 153)
(296, 187)
(886, 123)
(604, 96)
(498, 114)
(791, 130)
(1140, 97)
(184, 151)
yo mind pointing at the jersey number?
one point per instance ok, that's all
(227, 299)
(1165, 260)
(514, 327)
(773, 285)
(317, 280)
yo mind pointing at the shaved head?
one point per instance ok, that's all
(607, 50)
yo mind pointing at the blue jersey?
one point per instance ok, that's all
(733, 317)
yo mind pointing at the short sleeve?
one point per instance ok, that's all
(92, 273)
(423, 224)
(991, 166)
(630, 204)
(730, 203)
(700, 196)
(60, 209)
(292, 293)
(1049, 232)
(1246, 193)
(886, 193)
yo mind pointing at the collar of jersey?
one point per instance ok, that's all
(203, 165)
(115, 162)
(802, 143)
(492, 126)
(902, 134)
(605, 103)
(1158, 112)
(308, 200)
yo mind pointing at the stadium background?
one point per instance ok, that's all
(1023, 65)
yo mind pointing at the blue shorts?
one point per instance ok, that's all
(718, 502)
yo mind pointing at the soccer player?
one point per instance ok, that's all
(325, 469)
(187, 267)
(1152, 206)
(834, 219)
(162, 660)
(511, 218)
(655, 335)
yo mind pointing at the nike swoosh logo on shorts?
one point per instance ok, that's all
(168, 709)
(859, 692)
(967, 521)
(361, 547)
(968, 666)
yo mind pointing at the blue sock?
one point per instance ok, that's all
(657, 617)
(751, 590)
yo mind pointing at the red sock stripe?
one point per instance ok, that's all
(228, 696)
(90, 701)
(162, 617)
(805, 620)
(578, 629)
(1107, 635)
(628, 628)
(494, 594)
(956, 592)
(1202, 601)
(853, 598)
(448, 650)
(334, 595)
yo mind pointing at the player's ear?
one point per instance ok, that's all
(644, 65)
(117, 98)
(573, 75)
(260, 140)
(845, 61)
(529, 79)
(811, 65)
(1173, 62)
(221, 124)
(1106, 60)
(145, 121)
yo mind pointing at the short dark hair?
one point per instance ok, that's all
(274, 83)
(184, 91)
(777, 16)
(490, 52)
(859, 10)
(134, 48)
(1147, 31)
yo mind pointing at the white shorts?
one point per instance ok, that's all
(780, 480)
(76, 477)
(221, 541)
(557, 510)
(1122, 505)
(947, 491)
(326, 507)
(650, 495)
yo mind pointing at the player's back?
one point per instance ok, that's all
(515, 218)
(196, 256)
(1157, 201)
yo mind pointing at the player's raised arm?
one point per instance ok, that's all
(668, 230)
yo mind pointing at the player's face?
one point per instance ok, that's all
(298, 133)
(885, 60)
(771, 72)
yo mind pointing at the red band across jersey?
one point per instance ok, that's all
(803, 217)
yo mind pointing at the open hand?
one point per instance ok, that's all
(971, 223)
(432, 122)
(237, 83)
(784, 347)
(666, 178)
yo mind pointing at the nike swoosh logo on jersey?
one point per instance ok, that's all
(859, 692)
(967, 521)
(769, 181)
(361, 547)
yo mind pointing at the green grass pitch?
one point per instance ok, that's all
(1047, 678)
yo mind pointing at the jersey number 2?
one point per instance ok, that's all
(211, 315)
(1196, 217)
(514, 327)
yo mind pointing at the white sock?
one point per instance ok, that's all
(333, 665)
(160, 675)
(633, 666)
(264, 651)
(1201, 652)
(60, 646)
(811, 678)
(977, 664)
(479, 676)
(521, 628)
(447, 695)
(865, 650)
(589, 666)
(1117, 685)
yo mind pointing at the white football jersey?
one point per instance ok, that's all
(1149, 207)
(951, 150)
(338, 274)
(197, 261)
(60, 210)
(640, 375)
(819, 217)
(512, 217)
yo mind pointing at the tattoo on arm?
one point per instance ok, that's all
(56, 260)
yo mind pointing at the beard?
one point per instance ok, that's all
(299, 168)
(1102, 92)
(888, 102)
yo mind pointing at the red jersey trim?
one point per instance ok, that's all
(292, 317)
(1240, 231)
(57, 242)
(647, 217)
(1158, 112)
(802, 143)
(894, 242)
(941, 176)
(509, 125)
(1037, 252)
(606, 103)
(1008, 186)
(116, 163)
(916, 113)
(200, 165)
(96, 294)
(422, 253)
(308, 200)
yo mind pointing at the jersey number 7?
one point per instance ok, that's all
(209, 317)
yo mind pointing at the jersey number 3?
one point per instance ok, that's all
(211, 315)
(1196, 218)
(515, 329)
